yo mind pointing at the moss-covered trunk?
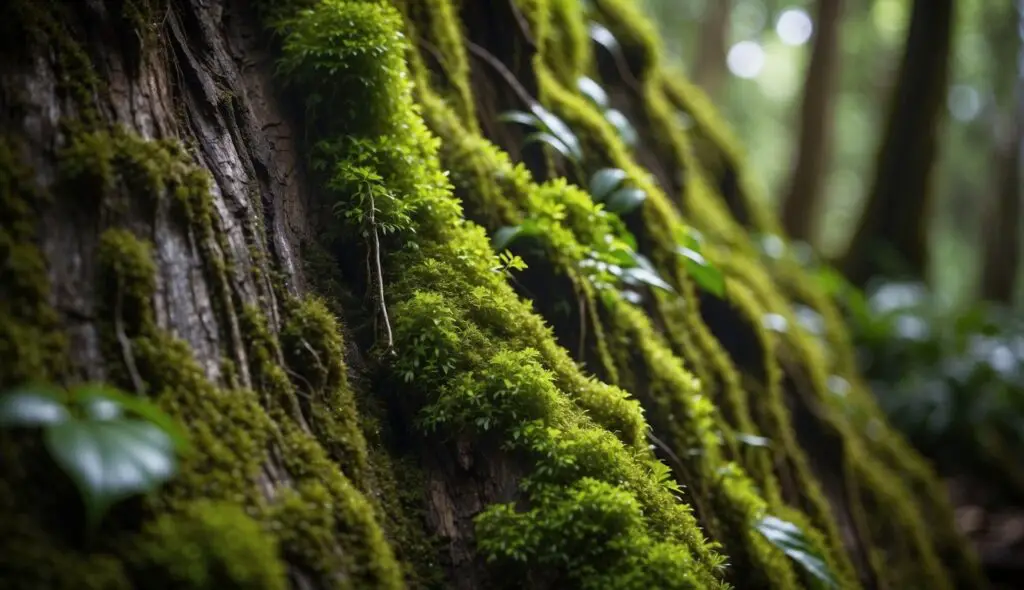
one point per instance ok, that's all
(274, 223)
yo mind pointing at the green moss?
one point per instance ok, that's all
(312, 346)
(465, 340)
(209, 545)
(29, 342)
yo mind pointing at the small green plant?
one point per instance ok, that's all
(507, 262)
(548, 129)
(593, 91)
(610, 187)
(611, 263)
(108, 455)
(372, 207)
(705, 274)
(794, 543)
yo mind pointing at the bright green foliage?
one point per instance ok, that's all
(588, 535)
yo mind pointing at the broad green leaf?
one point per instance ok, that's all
(32, 407)
(793, 542)
(622, 126)
(604, 181)
(556, 127)
(626, 199)
(643, 262)
(706, 275)
(643, 275)
(621, 257)
(521, 118)
(110, 460)
(604, 37)
(551, 140)
(97, 400)
(593, 91)
(505, 236)
(753, 440)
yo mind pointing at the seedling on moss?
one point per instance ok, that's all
(705, 274)
(615, 117)
(793, 542)
(107, 455)
(609, 186)
(509, 262)
(549, 129)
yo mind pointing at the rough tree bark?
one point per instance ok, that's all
(801, 204)
(893, 228)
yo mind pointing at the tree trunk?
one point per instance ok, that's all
(1001, 249)
(1000, 263)
(801, 205)
(891, 237)
(710, 68)
(271, 223)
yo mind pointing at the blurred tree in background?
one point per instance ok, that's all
(765, 61)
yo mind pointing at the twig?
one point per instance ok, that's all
(380, 278)
(503, 71)
(126, 344)
(582, 301)
(524, 25)
(316, 357)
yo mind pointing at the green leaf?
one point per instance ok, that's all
(551, 140)
(753, 440)
(593, 91)
(556, 127)
(626, 199)
(622, 126)
(521, 118)
(604, 181)
(97, 400)
(110, 460)
(706, 275)
(604, 37)
(32, 407)
(648, 277)
(793, 542)
(505, 236)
